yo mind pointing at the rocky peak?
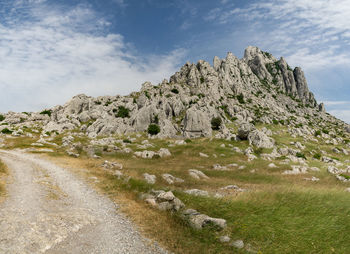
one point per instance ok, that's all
(256, 88)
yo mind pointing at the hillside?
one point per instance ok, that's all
(235, 156)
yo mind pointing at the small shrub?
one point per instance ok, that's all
(240, 98)
(46, 112)
(2, 118)
(174, 90)
(282, 122)
(202, 80)
(98, 102)
(347, 177)
(153, 129)
(155, 119)
(6, 131)
(123, 112)
(127, 141)
(275, 121)
(317, 156)
(325, 131)
(216, 123)
(188, 140)
(317, 133)
(301, 155)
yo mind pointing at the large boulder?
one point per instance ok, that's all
(196, 124)
(260, 140)
(244, 130)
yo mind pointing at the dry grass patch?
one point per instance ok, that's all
(3, 173)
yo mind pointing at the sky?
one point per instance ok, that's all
(52, 50)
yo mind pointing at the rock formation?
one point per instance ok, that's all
(256, 88)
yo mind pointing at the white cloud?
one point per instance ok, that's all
(335, 103)
(307, 32)
(341, 114)
(56, 54)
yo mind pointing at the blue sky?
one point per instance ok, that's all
(53, 50)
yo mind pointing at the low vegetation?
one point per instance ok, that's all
(3, 172)
(274, 213)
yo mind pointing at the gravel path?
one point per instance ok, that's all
(48, 210)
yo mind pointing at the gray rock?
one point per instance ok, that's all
(224, 239)
(244, 130)
(151, 179)
(239, 244)
(196, 124)
(172, 179)
(260, 139)
(197, 174)
(197, 192)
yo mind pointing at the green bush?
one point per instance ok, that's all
(174, 90)
(2, 118)
(301, 155)
(317, 156)
(153, 129)
(240, 98)
(6, 131)
(317, 133)
(123, 112)
(275, 121)
(202, 80)
(216, 123)
(127, 141)
(46, 112)
(325, 131)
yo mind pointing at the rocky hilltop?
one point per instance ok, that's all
(197, 99)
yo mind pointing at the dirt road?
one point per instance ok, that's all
(48, 210)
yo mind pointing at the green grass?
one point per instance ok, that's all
(3, 172)
(277, 214)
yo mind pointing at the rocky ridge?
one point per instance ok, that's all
(256, 88)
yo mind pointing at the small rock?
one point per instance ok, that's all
(272, 165)
(197, 174)
(197, 192)
(172, 179)
(151, 179)
(239, 244)
(165, 196)
(224, 239)
(203, 155)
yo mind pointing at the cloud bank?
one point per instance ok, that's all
(51, 53)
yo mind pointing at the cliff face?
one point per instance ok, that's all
(256, 88)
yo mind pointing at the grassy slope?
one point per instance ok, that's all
(3, 172)
(278, 213)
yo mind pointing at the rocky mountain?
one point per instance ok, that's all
(197, 99)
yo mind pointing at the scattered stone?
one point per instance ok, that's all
(163, 152)
(296, 170)
(312, 179)
(203, 155)
(239, 244)
(112, 165)
(219, 167)
(197, 174)
(199, 221)
(224, 239)
(172, 179)
(196, 192)
(272, 165)
(145, 154)
(151, 179)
